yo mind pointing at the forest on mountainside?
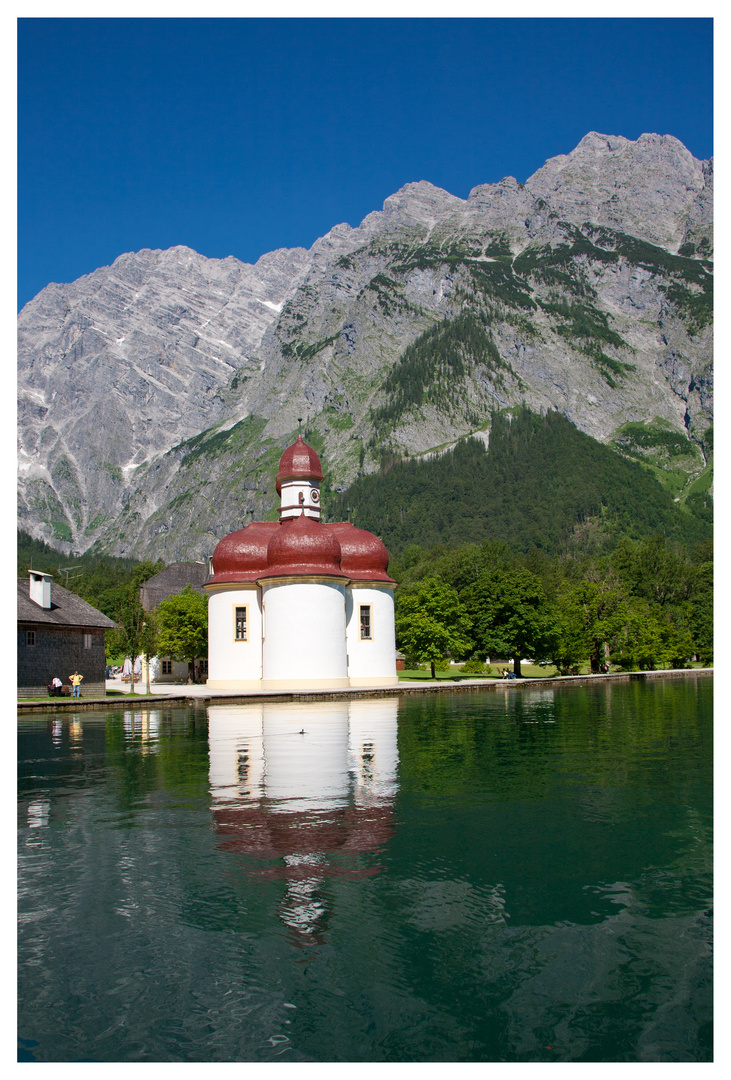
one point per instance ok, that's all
(541, 483)
(102, 580)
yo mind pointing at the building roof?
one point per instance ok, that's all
(303, 547)
(171, 581)
(363, 556)
(242, 555)
(67, 609)
(299, 547)
(298, 462)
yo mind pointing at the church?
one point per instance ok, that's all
(300, 603)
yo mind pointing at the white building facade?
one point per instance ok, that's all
(300, 603)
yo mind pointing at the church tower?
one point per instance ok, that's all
(298, 482)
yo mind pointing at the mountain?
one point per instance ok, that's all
(540, 484)
(156, 395)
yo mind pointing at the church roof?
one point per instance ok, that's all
(300, 546)
(304, 547)
(363, 557)
(298, 462)
(242, 555)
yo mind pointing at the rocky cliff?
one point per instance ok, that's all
(155, 395)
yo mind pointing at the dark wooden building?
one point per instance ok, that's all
(58, 633)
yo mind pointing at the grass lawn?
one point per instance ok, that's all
(441, 676)
(528, 671)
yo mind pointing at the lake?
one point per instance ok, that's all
(521, 875)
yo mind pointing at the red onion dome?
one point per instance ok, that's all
(302, 546)
(363, 556)
(242, 555)
(298, 462)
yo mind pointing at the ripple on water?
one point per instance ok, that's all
(490, 877)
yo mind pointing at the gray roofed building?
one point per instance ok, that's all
(58, 634)
(67, 609)
(171, 581)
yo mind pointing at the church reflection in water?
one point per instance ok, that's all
(305, 790)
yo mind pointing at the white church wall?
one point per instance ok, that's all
(234, 664)
(304, 634)
(371, 661)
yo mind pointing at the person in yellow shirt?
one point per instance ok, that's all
(75, 681)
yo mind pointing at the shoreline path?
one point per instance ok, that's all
(184, 693)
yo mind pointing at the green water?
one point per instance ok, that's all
(515, 875)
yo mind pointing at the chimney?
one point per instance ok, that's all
(40, 589)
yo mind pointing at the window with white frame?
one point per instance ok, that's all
(241, 628)
(365, 622)
(167, 667)
(88, 641)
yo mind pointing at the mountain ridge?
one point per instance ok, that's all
(156, 394)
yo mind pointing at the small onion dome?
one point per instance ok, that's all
(363, 556)
(298, 462)
(302, 546)
(242, 555)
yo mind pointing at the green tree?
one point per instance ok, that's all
(510, 615)
(702, 611)
(431, 623)
(586, 621)
(136, 631)
(638, 643)
(653, 569)
(570, 647)
(646, 638)
(182, 622)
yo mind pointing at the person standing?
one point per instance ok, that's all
(75, 681)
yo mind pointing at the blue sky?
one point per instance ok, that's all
(239, 136)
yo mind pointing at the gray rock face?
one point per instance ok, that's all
(125, 363)
(155, 395)
(648, 188)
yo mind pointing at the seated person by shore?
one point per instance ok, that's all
(55, 687)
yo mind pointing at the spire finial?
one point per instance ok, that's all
(299, 421)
